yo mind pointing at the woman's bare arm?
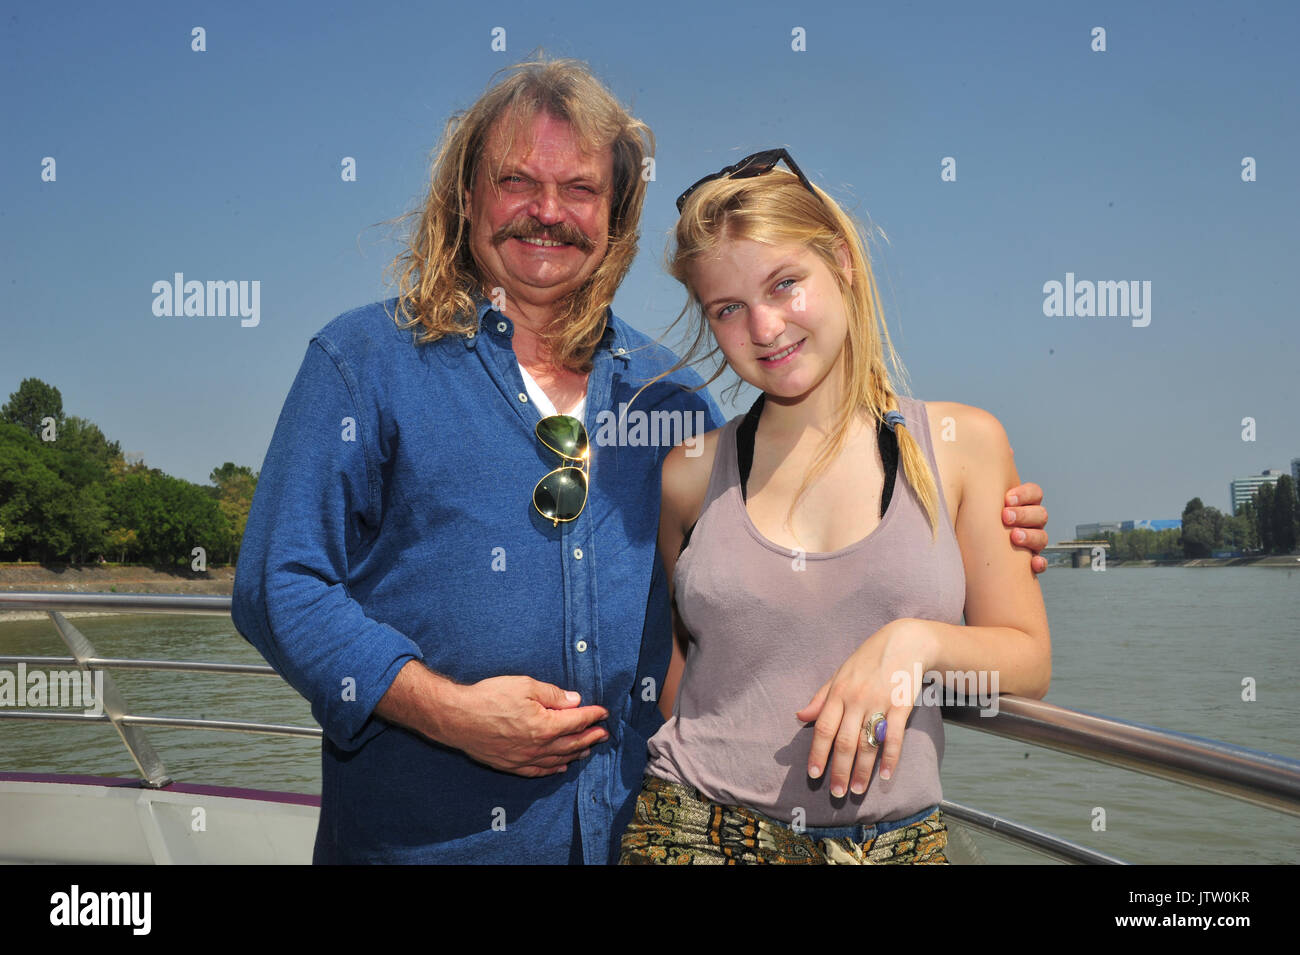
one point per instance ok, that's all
(685, 481)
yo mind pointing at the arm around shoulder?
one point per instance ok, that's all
(1006, 621)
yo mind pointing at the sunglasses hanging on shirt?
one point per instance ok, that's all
(562, 494)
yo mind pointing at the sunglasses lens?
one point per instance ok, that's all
(563, 434)
(561, 495)
(757, 165)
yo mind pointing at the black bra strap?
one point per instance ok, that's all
(887, 441)
(745, 444)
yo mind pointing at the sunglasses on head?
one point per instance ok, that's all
(749, 167)
(562, 494)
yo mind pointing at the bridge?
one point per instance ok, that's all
(1080, 552)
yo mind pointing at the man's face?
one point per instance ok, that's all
(539, 226)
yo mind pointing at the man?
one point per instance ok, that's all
(486, 676)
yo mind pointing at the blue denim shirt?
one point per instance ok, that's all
(393, 521)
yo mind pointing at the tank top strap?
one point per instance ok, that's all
(917, 422)
(725, 475)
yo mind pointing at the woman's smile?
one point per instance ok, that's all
(783, 355)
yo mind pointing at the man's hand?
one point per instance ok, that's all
(521, 726)
(511, 723)
(1027, 519)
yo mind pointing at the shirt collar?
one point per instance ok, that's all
(613, 339)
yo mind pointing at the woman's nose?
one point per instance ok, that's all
(766, 323)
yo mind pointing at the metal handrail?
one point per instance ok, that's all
(1264, 779)
(172, 722)
(128, 663)
(1053, 846)
(206, 604)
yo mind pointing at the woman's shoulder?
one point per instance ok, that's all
(687, 469)
(692, 461)
(971, 429)
(955, 409)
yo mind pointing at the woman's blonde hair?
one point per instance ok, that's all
(777, 209)
(438, 280)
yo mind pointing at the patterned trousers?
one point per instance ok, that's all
(675, 825)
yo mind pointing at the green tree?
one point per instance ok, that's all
(1168, 544)
(83, 441)
(1284, 515)
(88, 523)
(1247, 514)
(35, 503)
(1198, 529)
(1239, 532)
(230, 472)
(170, 517)
(33, 401)
(235, 485)
(1264, 517)
(121, 541)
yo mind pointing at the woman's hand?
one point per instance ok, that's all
(877, 678)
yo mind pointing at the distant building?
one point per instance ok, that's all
(1295, 471)
(1092, 532)
(1244, 488)
(1152, 525)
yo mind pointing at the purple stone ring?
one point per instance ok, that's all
(875, 729)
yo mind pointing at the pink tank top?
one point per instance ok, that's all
(770, 625)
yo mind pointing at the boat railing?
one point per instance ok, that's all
(1263, 779)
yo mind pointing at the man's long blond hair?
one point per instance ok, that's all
(776, 209)
(438, 281)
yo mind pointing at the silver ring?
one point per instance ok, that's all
(872, 725)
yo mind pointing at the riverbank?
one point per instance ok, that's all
(1290, 561)
(108, 578)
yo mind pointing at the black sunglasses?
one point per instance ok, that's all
(562, 494)
(754, 165)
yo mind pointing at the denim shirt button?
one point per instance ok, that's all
(577, 553)
(523, 397)
(581, 646)
(501, 327)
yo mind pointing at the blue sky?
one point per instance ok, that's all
(1116, 166)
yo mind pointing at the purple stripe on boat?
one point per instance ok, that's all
(193, 789)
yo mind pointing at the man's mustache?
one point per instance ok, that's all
(527, 227)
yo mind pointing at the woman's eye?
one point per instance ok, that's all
(726, 310)
(782, 284)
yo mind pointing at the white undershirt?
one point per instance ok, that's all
(544, 404)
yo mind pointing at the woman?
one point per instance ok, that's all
(823, 550)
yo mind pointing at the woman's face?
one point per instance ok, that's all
(776, 312)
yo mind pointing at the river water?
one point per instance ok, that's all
(1167, 647)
